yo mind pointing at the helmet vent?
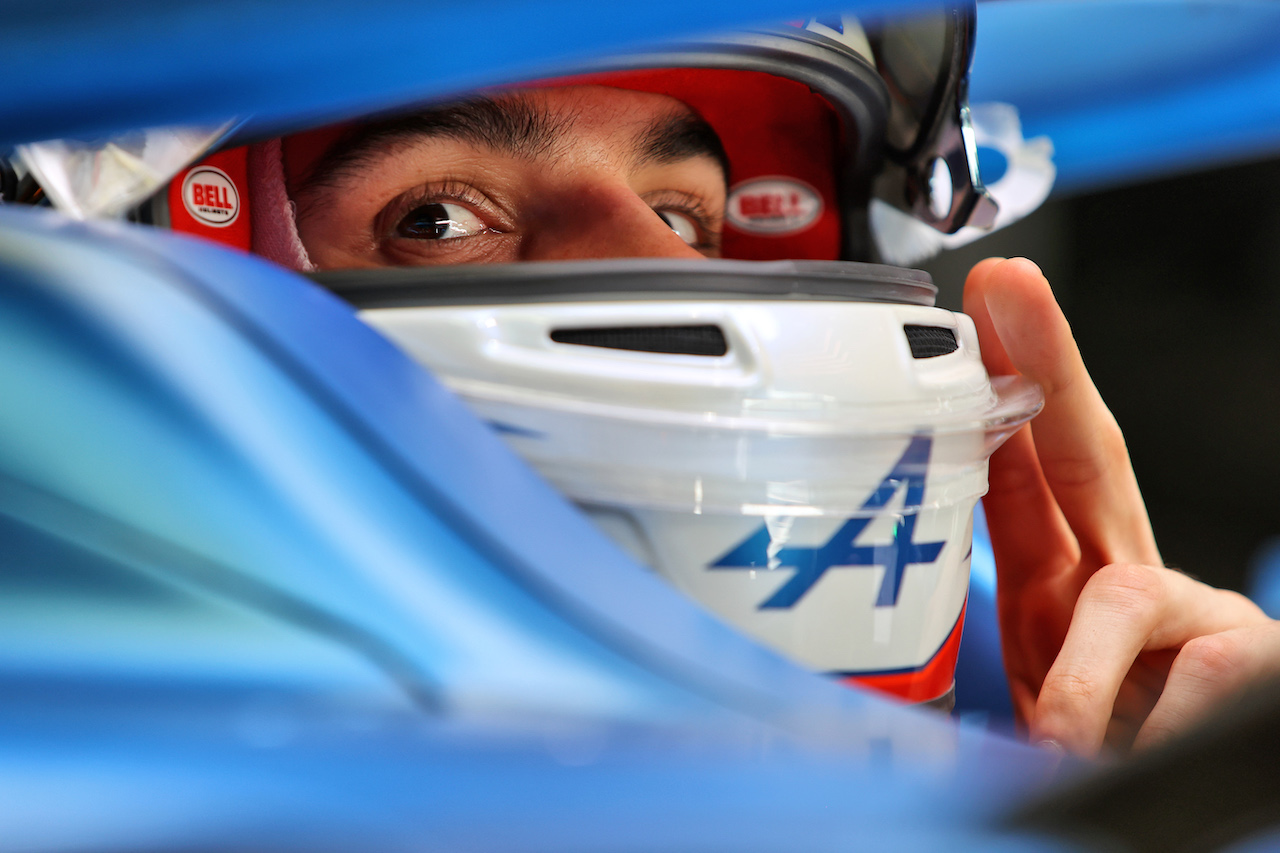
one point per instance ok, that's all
(930, 341)
(671, 340)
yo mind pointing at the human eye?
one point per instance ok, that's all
(682, 224)
(440, 221)
(445, 222)
(690, 218)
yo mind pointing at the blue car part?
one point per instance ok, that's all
(268, 584)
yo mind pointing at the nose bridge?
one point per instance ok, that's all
(602, 219)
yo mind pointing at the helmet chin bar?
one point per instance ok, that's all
(798, 446)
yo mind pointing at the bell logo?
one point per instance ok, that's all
(211, 197)
(775, 206)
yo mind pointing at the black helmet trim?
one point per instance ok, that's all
(664, 279)
(930, 129)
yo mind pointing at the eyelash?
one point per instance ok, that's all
(446, 191)
(693, 207)
(452, 191)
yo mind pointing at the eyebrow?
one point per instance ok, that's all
(515, 124)
(682, 137)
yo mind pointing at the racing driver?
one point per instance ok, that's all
(1104, 647)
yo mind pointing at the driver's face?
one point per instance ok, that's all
(539, 174)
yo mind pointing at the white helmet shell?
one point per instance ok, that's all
(799, 446)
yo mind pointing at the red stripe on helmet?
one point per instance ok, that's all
(925, 684)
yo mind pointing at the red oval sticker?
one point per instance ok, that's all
(211, 197)
(773, 205)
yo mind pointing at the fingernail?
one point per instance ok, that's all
(1050, 745)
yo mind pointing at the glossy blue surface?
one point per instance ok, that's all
(1127, 89)
(87, 68)
(1130, 90)
(266, 583)
(982, 689)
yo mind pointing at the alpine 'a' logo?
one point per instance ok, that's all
(842, 550)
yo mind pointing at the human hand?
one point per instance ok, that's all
(1102, 645)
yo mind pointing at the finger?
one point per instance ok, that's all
(975, 305)
(1022, 514)
(1207, 671)
(1124, 610)
(1080, 449)
(1121, 732)
(1137, 696)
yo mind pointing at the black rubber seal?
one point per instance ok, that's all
(628, 280)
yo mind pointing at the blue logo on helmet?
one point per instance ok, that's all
(842, 549)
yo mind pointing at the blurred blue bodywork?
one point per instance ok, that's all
(267, 584)
(1126, 89)
(1130, 90)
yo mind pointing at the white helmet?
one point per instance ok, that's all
(797, 445)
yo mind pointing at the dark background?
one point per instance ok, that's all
(1173, 291)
